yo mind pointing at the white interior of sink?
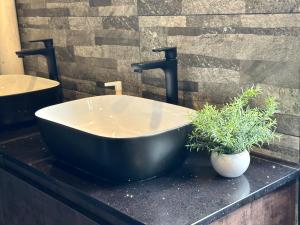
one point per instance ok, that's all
(117, 116)
(18, 84)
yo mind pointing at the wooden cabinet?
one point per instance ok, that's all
(276, 208)
(23, 204)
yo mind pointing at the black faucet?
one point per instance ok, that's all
(48, 52)
(169, 66)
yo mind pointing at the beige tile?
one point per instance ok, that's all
(162, 21)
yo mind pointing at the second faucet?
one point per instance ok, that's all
(169, 66)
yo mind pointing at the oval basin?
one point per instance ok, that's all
(22, 95)
(117, 138)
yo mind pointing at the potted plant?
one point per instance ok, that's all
(230, 133)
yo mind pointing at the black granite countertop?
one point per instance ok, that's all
(193, 194)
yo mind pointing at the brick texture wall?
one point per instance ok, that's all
(223, 46)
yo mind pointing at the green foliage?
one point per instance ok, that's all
(234, 128)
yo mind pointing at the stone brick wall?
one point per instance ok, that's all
(223, 46)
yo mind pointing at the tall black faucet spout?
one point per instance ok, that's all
(29, 52)
(48, 52)
(171, 83)
(137, 67)
(169, 66)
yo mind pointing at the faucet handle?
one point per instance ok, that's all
(47, 42)
(117, 85)
(170, 52)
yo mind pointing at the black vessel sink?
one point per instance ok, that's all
(118, 138)
(22, 95)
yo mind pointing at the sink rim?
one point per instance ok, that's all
(51, 83)
(143, 135)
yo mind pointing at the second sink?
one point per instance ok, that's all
(118, 138)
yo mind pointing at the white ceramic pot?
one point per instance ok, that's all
(230, 165)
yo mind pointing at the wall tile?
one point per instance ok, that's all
(209, 75)
(46, 12)
(77, 8)
(58, 23)
(271, 20)
(118, 33)
(59, 37)
(288, 98)
(204, 61)
(121, 22)
(122, 10)
(107, 51)
(151, 38)
(87, 71)
(162, 21)
(34, 22)
(65, 54)
(204, 21)
(280, 74)
(288, 124)
(154, 7)
(28, 34)
(190, 7)
(64, 1)
(218, 93)
(85, 23)
(100, 2)
(116, 41)
(80, 37)
(123, 2)
(287, 147)
(272, 6)
(108, 63)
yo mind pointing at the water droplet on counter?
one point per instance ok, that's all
(129, 196)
